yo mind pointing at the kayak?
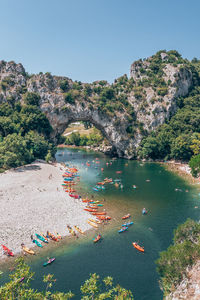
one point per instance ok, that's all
(7, 251)
(79, 230)
(126, 217)
(37, 243)
(53, 237)
(144, 211)
(99, 213)
(27, 250)
(95, 221)
(49, 262)
(41, 238)
(127, 224)
(139, 248)
(106, 218)
(98, 237)
(95, 189)
(90, 209)
(123, 229)
(92, 224)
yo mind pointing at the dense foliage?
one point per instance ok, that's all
(92, 139)
(185, 251)
(24, 133)
(93, 289)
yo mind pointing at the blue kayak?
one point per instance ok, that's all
(95, 189)
(41, 238)
(123, 229)
(127, 224)
(37, 243)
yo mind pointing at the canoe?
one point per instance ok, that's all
(99, 213)
(92, 224)
(27, 250)
(7, 251)
(127, 224)
(90, 209)
(37, 243)
(98, 237)
(41, 238)
(139, 248)
(95, 221)
(49, 262)
(79, 229)
(126, 217)
(123, 229)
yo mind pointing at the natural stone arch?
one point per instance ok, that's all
(111, 128)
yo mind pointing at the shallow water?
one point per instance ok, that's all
(115, 255)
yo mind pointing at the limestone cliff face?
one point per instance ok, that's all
(150, 104)
(189, 288)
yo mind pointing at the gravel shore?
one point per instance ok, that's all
(32, 201)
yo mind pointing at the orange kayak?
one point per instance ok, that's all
(139, 248)
(126, 217)
(90, 209)
(106, 218)
(97, 238)
(99, 213)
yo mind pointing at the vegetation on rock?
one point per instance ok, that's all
(173, 263)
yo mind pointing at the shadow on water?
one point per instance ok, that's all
(115, 255)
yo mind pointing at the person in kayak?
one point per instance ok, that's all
(144, 211)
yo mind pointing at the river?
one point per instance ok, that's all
(115, 255)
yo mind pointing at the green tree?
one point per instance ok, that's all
(194, 164)
(64, 85)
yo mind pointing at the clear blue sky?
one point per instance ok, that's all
(90, 40)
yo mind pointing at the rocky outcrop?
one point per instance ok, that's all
(189, 288)
(146, 105)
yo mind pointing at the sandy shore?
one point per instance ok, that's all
(32, 203)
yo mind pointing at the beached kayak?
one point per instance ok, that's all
(126, 217)
(127, 224)
(106, 218)
(49, 262)
(123, 229)
(41, 238)
(98, 237)
(90, 209)
(99, 213)
(7, 251)
(37, 243)
(79, 229)
(92, 224)
(27, 250)
(95, 221)
(139, 248)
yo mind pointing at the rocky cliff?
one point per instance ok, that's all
(124, 111)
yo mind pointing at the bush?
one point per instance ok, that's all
(31, 98)
(64, 85)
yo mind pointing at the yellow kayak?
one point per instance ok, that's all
(27, 250)
(92, 224)
(79, 230)
(95, 221)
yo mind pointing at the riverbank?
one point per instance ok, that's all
(181, 169)
(33, 201)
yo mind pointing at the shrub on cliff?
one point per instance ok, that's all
(31, 98)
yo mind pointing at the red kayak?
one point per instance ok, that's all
(7, 251)
(139, 248)
(97, 238)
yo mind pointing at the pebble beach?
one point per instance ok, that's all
(32, 200)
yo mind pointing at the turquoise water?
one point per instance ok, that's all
(115, 255)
